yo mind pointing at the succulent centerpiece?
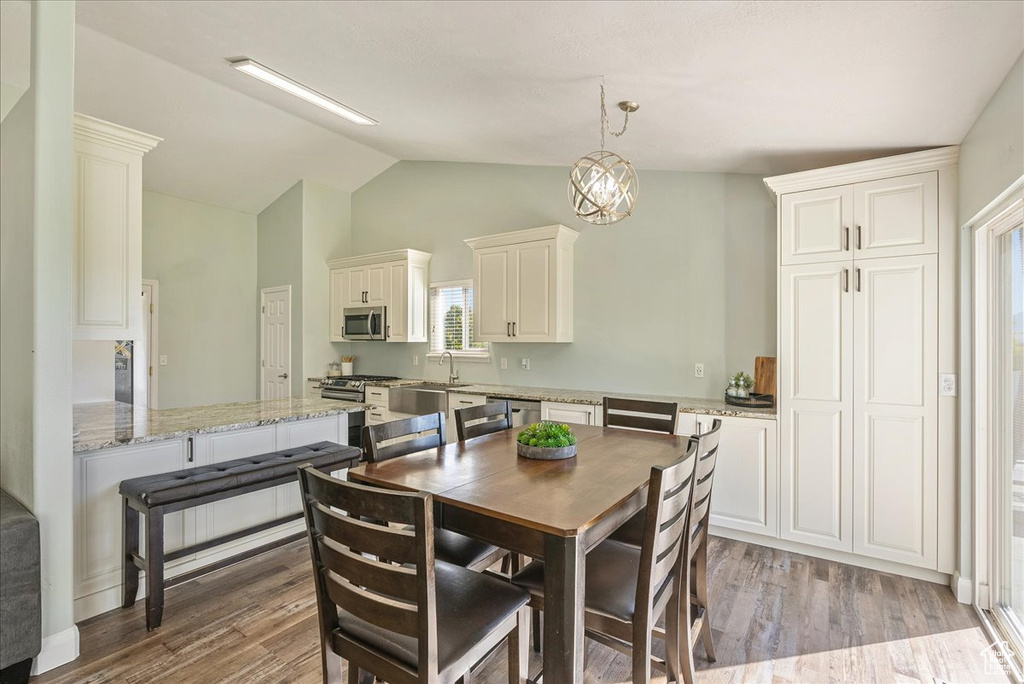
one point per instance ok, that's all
(546, 441)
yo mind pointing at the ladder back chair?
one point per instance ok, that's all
(476, 421)
(629, 588)
(428, 432)
(639, 414)
(400, 615)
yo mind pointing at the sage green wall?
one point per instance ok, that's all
(279, 262)
(36, 215)
(690, 277)
(992, 153)
(326, 234)
(205, 260)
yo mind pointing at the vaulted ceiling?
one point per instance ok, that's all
(752, 87)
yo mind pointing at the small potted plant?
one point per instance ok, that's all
(546, 441)
(742, 383)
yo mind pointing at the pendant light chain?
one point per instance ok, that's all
(604, 121)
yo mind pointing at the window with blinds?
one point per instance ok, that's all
(451, 319)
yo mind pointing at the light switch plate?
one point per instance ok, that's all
(504, 363)
(526, 364)
(947, 384)
(415, 360)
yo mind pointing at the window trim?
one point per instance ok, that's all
(479, 355)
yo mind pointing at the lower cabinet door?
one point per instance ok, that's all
(579, 414)
(299, 433)
(97, 508)
(744, 493)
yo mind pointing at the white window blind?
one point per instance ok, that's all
(451, 319)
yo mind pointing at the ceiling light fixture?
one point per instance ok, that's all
(257, 70)
(602, 185)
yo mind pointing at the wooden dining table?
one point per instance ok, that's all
(551, 510)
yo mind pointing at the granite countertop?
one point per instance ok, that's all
(704, 406)
(401, 382)
(111, 423)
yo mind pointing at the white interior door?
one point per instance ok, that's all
(895, 404)
(144, 368)
(276, 342)
(815, 405)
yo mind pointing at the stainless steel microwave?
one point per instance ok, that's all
(365, 323)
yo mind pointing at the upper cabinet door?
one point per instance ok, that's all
(354, 288)
(492, 316)
(895, 404)
(897, 216)
(816, 404)
(337, 305)
(398, 312)
(816, 225)
(533, 304)
(377, 290)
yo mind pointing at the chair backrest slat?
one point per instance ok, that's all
(373, 608)
(374, 435)
(666, 525)
(639, 414)
(395, 590)
(704, 473)
(476, 421)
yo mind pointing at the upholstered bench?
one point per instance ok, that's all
(157, 495)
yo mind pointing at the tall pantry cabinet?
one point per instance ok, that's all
(862, 251)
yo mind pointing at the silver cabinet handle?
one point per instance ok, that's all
(513, 328)
(846, 280)
(388, 333)
(190, 445)
(508, 329)
(846, 238)
(858, 280)
(462, 401)
(858, 237)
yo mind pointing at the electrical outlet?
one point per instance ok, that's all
(415, 359)
(526, 364)
(947, 384)
(504, 363)
(698, 370)
(163, 359)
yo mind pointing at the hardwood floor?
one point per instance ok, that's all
(778, 617)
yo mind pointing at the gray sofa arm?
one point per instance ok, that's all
(20, 628)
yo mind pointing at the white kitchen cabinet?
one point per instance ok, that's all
(895, 402)
(107, 232)
(816, 404)
(523, 285)
(686, 424)
(861, 343)
(745, 491)
(579, 414)
(458, 401)
(397, 280)
(815, 225)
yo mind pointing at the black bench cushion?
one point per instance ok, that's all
(182, 485)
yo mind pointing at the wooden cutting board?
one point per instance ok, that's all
(764, 375)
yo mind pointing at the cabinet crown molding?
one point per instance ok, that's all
(557, 232)
(857, 172)
(413, 256)
(113, 135)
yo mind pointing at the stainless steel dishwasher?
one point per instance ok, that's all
(523, 412)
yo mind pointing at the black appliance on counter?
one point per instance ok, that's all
(351, 388)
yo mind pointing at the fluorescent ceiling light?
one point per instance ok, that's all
(257, 70)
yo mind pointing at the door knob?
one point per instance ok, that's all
(283, 375)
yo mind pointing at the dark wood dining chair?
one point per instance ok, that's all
(476, 421)
(639, 414)
(401, 615)
(628, 588)
(428, 432)
(707, 455)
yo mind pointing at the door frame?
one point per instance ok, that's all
(1002, 215)
(153, 342)
(263, 308)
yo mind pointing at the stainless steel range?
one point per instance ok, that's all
(351, 388)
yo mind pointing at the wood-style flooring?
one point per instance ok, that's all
(778, 617)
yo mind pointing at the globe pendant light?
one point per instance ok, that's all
(603, 186)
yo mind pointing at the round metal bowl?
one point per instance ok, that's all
(545, 453)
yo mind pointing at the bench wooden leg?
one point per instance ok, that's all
(154, 568)
(130, 544)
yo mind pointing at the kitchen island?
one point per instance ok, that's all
(117, 441)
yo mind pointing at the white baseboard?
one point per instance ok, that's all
(58, 649)
(963, 588)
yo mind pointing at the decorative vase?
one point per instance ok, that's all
(545, 453)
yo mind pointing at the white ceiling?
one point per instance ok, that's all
(752, 87)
